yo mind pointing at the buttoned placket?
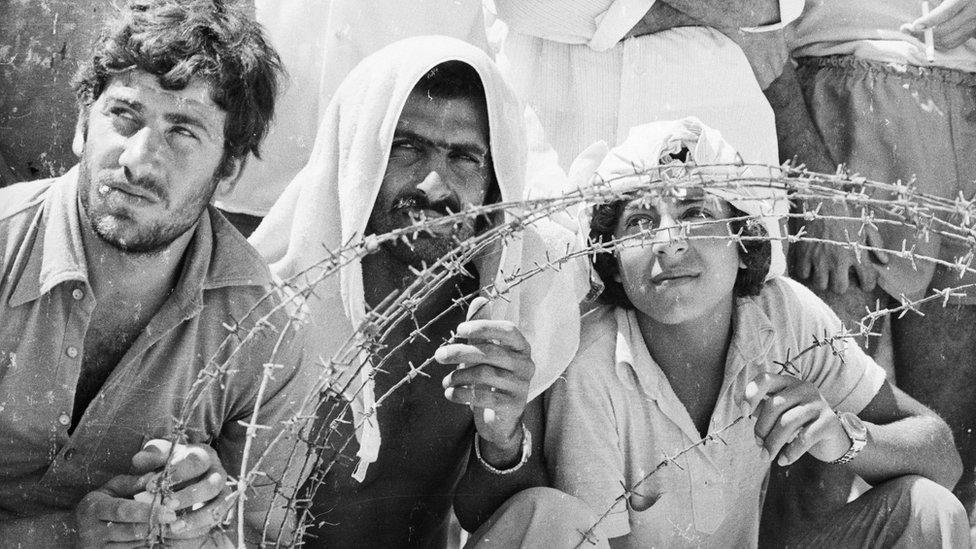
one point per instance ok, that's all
(79, 304)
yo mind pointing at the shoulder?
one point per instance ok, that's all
(22, 197)
(791, 305)
(20, 205)
(595, 360)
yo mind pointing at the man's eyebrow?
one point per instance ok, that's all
(463, 146)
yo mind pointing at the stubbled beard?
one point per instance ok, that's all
(425, 247)
(112, 226)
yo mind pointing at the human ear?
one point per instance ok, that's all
(81, 132)
(230, 172)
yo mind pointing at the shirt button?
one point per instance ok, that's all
(72, 351)
(78, 294)
(64, 420)
(69, 453)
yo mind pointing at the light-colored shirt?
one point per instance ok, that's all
(615, 417)
(868, 29)
(46, 305)
(586, 83)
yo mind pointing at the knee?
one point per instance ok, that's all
(560, 505)
(930, 497)
(933, 511)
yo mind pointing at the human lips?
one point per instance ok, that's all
(674, 277)
(130, 192)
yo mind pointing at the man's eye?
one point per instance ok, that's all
(467, 159)
(124, 120)
(403, 146)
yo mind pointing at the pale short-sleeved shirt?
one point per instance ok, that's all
(46, 304)
(614, 418)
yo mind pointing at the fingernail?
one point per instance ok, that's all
(177, 526)
(782, 461)
(764, 454)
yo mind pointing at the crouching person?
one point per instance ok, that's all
(696, 359)
(118, 282)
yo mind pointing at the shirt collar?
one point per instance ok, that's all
(217, 256)
(752, 334)
(56, 254)
(631, 350)
(752, 338)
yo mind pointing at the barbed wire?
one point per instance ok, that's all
(326, 406)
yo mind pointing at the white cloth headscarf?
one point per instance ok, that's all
(329, 202)
(624, 166)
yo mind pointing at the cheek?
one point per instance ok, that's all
(633, 266)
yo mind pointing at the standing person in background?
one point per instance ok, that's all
(891, 114)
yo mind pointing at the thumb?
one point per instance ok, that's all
(152, 456)
(479, 309)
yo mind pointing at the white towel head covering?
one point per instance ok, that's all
(622, 167)
(329, 202)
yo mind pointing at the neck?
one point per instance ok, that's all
(113, 272)
(701, 343)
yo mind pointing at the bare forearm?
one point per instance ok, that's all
(735, 13)
(917, 445)
(481, 491)
(53, 530)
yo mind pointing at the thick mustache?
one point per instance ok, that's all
(148, 184)
(419, 201)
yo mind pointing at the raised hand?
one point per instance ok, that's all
(792, 418)
(495, 367)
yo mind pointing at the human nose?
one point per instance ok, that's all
(435, 187)
(140, 153)
(669, 240)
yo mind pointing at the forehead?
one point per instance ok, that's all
(691, 197)
(455, 121)
(140, 87)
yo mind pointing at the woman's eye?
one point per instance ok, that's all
(697, 213)
(640, 222)
(183, 131)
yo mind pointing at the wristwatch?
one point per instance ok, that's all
(856, 431)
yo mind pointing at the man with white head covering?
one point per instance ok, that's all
(697, 372)
(419, 129)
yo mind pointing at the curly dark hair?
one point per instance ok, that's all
(748, 282)
(176, 40)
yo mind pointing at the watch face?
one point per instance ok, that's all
(854, 426)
